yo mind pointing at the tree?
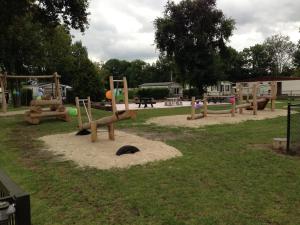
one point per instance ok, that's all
(281, 51)
(28, 27)
(193, 33)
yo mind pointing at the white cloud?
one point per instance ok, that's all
(124, 29)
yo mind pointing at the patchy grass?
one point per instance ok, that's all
(226, 176)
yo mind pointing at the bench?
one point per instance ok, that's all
(145, 102)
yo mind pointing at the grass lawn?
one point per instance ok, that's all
(227, 175)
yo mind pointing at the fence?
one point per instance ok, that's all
(10, 192)
(293, 129)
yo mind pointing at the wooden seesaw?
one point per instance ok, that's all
(255, 104)
(108, 121)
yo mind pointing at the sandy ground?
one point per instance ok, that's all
(102, 155)
(212, 119)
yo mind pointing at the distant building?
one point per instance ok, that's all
(222, 88)
(286, 86)
(48, 89)
(175, 89)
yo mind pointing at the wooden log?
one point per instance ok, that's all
(254, 94)
(45, 102)
(93, 131)
(225, 111)
(241, 98)
(78, 113)
(241, 106)
(47, 114)
(193, 108)
(205, 103)
(35, 109)
(111, 132)
(90, 108)
(29, 77)
(125, 92)
(233, 109)
(4, 103)
(196, 116)
(111, 119)
(113, 99)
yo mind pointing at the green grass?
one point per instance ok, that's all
(227, 175)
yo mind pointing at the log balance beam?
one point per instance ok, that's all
(253, 104)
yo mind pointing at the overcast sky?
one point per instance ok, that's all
(124, 29)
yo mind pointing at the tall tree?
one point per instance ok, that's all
(193, 32)
(281, 51)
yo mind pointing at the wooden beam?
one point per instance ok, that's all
(193, 108)
(45, 102)
(94, 131)
(111, 119)
(205, 103)
(125, 92)
(29, 76)
(4, 103)
(90, 108)
(241, 97)
(111, 131)
(225, 111)
(254, 103)
(78, 113)
(113, 99)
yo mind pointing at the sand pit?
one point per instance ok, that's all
(102, 155)
(213, 119)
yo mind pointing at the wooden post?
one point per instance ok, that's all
(57, 86)
(78, 113)
(125, 93)
(90, 108)
(233, 109)
(241, 97)
(4, 104)
(193, 108)
(254, 93)
(111, 131)
(205, 106)
(273, 93)
(113, 99)
(94, 131)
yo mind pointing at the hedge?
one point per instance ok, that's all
(192, 92)
(156, 93)
(26, 96)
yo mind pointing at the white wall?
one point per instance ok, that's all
(291, 85)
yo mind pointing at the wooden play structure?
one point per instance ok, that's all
(42, 108)
(258, 102)
(108, 121)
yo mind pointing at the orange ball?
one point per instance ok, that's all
(108, 95)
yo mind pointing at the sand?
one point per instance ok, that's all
(213, 119)
(102, 155)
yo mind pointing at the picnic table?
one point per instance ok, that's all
(145, 102)
(173, 101)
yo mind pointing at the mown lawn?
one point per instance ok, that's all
(228, 175)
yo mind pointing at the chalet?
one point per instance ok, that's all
(175, 89)
(286, 86)
(222, 88)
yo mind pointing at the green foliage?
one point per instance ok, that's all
(182, 36)
(156, 93)
(132, 93)
(26, 96)
(192, 92)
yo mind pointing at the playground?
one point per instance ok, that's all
(217, 169)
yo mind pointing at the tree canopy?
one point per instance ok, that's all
(194, 33)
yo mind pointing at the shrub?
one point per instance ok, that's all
(26, 96)
(156, 93)
(192, 92)
(132, 93)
